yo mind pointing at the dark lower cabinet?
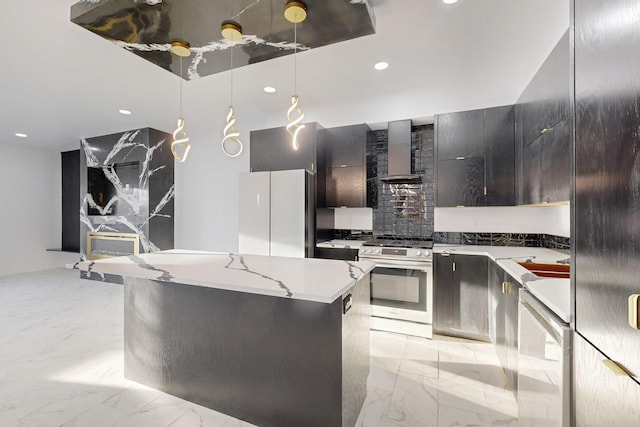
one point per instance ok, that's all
(460, 182)
(346, 254)
(461, 296)
(503, 320)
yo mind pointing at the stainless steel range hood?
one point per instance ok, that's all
(400, 153)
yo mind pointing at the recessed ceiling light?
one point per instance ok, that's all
(269, 89)
(381, 66)
(449, 1)
(125, 112)
(21, 135)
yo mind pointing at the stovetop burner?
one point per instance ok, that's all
(400, 243)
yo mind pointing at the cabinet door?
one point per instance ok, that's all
(545, 101)
(460, 182)
(607, 199)
(289, 213)
(511, 296)
(472, 297)
(346, 146)
(556, 163)
(460, 134)
(500, 156)
(497, 311)
(531, 184)
(271, 150)
(601, 398)
(70, 200)
(444, 290)
(346, 187)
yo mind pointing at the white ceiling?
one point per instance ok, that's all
(61, 83)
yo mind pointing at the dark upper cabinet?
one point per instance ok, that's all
(500, 155)
(485, 137)
(607, 182)
(346, 152)
(545, 101)
(460, 182)
(544, 132)
(347, 145)
(460, 134)
(461, 296)
(271, 149)
(346, 187)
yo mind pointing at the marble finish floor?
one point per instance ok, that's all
(62, 365)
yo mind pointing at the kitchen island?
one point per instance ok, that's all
(273, 341)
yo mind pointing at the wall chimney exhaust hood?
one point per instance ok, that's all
(400, 153)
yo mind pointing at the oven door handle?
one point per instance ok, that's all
(400, 265)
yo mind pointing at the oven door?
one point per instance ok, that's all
(402, 290)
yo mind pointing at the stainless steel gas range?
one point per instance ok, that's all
(401, 285)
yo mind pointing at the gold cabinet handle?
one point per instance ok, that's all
(543, 131)
(460, 158)
(634, 320)
(506, 288)
(615, 368)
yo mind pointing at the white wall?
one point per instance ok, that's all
(30, 218)
(554, 220)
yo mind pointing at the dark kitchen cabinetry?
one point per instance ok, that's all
(461, 296)
(271, 149)
(607, 202)
(503, 320)
(346, 166)
(460, 134)
(547, 161)
(544, 132)
(500, 156)
(461, 182)
(476, 158)
(346, 254)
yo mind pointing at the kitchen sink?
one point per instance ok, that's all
(558, 271)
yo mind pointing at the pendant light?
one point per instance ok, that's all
(182, 49)
(231, 31)
(295, 12)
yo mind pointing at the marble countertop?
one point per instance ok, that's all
(342, 244)
(309, 279)
(554, 293)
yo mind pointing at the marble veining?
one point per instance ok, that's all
(136, 199)
(309, 279)
(147, 29)
(243, 267)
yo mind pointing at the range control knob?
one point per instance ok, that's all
(377, 251)
(426, 253)
(418, 253)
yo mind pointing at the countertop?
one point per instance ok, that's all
(341, 244)
(309, 279)
(554, 293)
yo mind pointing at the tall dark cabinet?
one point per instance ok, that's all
(607, 210)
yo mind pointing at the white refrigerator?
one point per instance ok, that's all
(277, 211)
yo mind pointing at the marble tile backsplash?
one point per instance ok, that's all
(504, 239)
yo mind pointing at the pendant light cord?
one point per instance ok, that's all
(295, 59)
(181, 86)
(231, 98)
